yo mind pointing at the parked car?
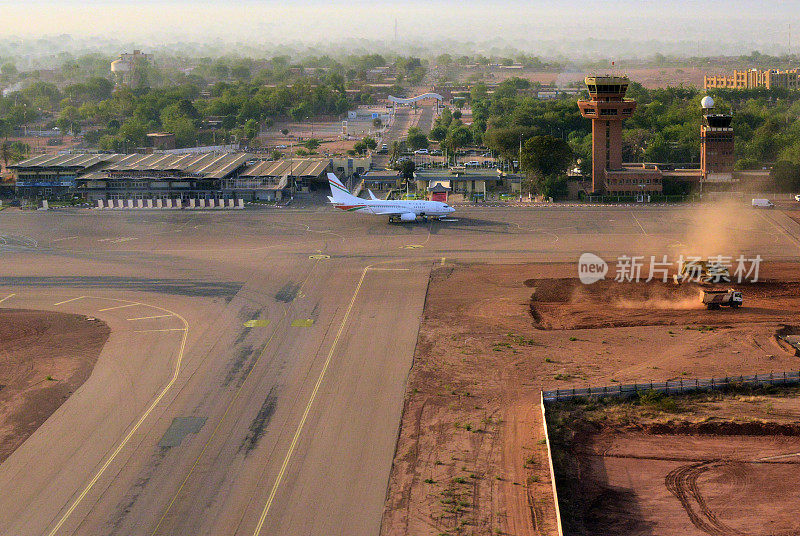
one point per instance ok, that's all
(472, 163)
(436, 152)
(421, 151)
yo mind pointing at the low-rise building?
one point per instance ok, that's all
(347, 166)
(274, 180)
(54, 176)
(162, 176)
(470, 184)
(382, 180)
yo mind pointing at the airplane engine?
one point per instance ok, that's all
(408, 216)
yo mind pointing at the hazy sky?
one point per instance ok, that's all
(153, 21)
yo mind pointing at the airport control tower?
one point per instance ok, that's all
(606, 107)
(716, 144)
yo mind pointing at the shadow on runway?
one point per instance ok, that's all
(471, 224)
(177, 287)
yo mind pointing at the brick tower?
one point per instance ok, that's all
(716, 144)
(606, 107)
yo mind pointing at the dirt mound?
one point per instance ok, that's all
(566, 303)
(44, 357)
(730, 428)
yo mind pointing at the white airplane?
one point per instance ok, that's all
(404, 211)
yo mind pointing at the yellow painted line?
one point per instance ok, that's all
(224, 415)
(148, 317)
(443, 261)
(639, 224)
(157, 330)
(7, 297)
(299, 430)
(67, 301)
(412, 246)
(390, 269)
(302, 323)
(136, 426)
(119, 307)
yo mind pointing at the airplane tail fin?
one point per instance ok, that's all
(339, 194)
(371, 195)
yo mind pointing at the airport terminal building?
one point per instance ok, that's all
(104, 177)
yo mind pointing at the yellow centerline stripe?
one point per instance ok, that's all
(299, 430)
(7, 297)
(119, 307)
(138, 424)
(148, 317)
(67, 301)
(227, 410)
(157, 330)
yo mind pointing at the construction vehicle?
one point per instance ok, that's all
(701, 271)
(714, 299)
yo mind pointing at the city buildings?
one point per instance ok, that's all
(755, 78)
(129, 68)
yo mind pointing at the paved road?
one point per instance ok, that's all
(193, 423)
(404, 119)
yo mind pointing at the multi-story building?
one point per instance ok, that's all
(606, 107)
(755, 78)
(716, 144)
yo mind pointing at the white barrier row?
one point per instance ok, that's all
(169, 204)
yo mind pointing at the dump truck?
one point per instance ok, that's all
(701, 271)
(714, 299)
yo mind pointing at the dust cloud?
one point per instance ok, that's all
(695, 301)
(725, 227)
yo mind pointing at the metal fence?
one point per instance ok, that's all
(673, 386)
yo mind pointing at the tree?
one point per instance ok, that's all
(506, 141)
(438, 133)
(377, 123)
(360, 147)
(312, 144)
(300, 112)
(416, 139)
(545, 160)
(457, 137)
(785, 176)
(394, 153)
(406, 169)
(285, 131)
(546, 156)
(370, 143)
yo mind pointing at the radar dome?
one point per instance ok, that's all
(707, 102)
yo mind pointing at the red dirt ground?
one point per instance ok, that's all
(44, 357)
(721, 465)
(470, 457)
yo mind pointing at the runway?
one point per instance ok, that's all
(254, 377)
